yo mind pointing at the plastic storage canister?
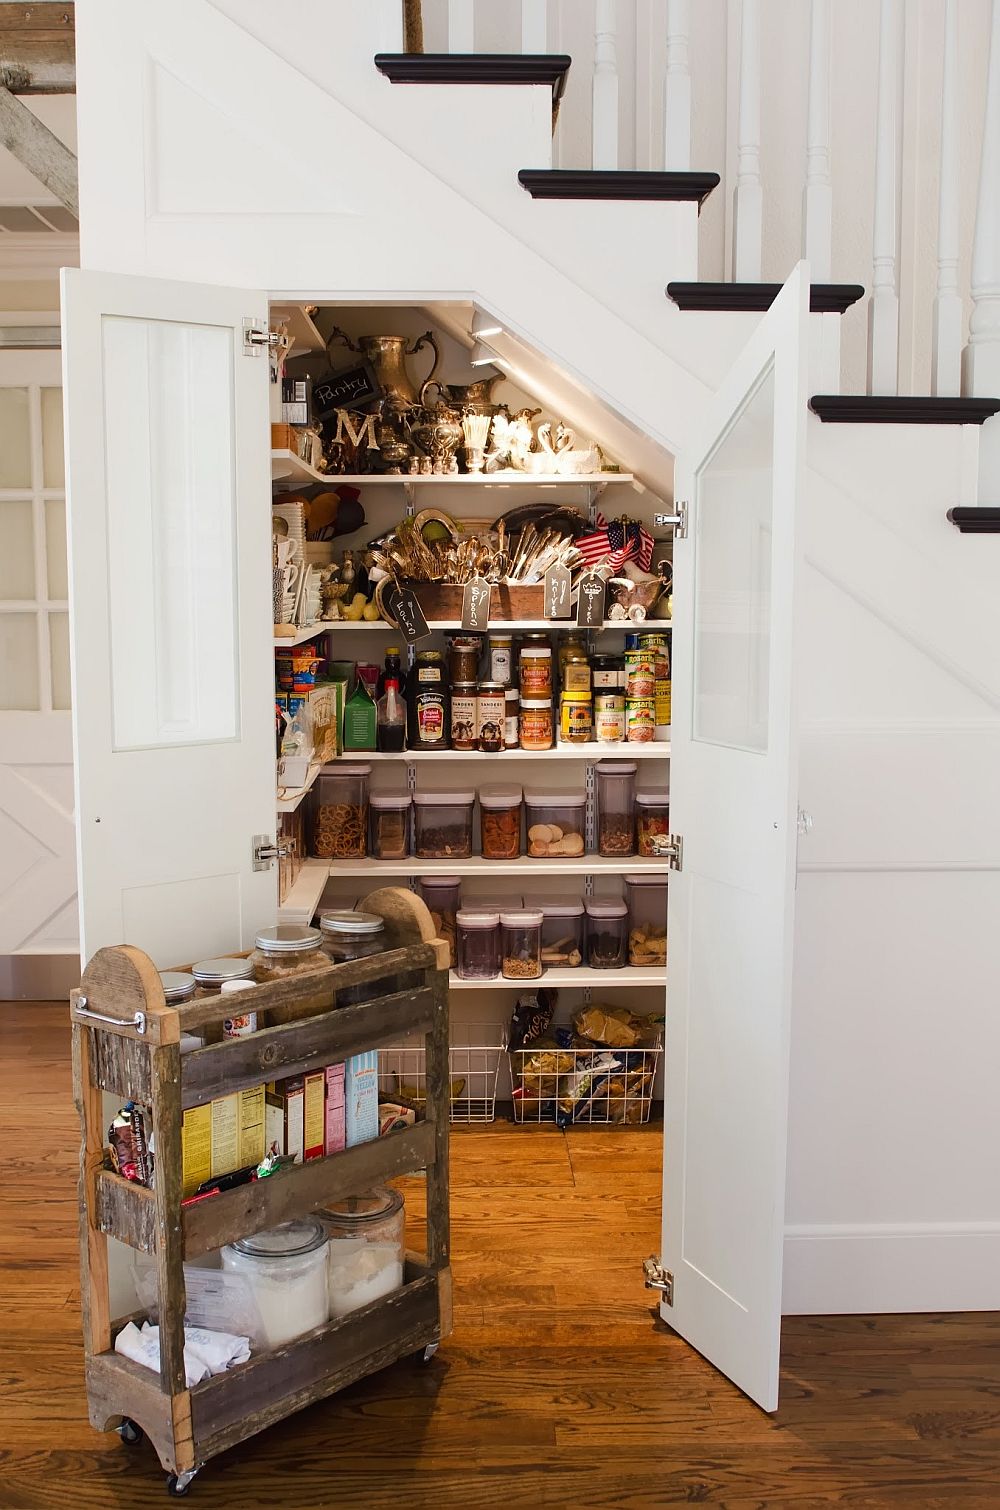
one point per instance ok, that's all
(286, 949)
(536, 723)
(442, 824)
(521, 943)
(500, 822)
(365, 1248)
(512, 718)
(652, 819)
(616, 807)
(340, 812)
(562, 930)
(442, 896)
(501, 658)
(463, 716)
(286, 1269)
(536, 671)
(478, 944)
(390, 824)
(210, 973)
(647, 906)
(555, 823)
(607, 927)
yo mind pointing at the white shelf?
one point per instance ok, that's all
(582, 976)
(654, 750)
(645, 626)
(310, 632)
(467, 480)
(301, 327)
(475, 865)
(287, 467)
(301, 902)
(290, 797)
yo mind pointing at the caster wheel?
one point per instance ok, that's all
(129, 1432)
(428, 1353)
(179, 1483)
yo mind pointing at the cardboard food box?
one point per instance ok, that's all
(335, 1130)
(361, 1097)
(313, 1117)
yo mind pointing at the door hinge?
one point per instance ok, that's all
(658, 1278)
(674, 851)
(257, 338)
(265, 851)
(677, 521)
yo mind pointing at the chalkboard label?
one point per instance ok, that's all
(402, 603)
(590, 607)
(345, 390)
(558, 583)
(476, 605)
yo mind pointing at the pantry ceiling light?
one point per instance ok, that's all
(484, 325)
(481, 356)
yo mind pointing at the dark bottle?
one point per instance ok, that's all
(391, 719)
(393, 667)
(427, 700)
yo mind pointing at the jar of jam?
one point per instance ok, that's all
(501, 658)
(463, 715)
(576, 718)
(608, 673)
(536, 723)
(491, 713)
(512, 718)
(536, 671)
(463, 659)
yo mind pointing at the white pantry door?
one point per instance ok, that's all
(168, 495)
(733, 801)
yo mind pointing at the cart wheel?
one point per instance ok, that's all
(427, 1354)
(180, 1483)
(129, 1432)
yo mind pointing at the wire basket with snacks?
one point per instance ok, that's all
(600, 1068)
(474, 1058)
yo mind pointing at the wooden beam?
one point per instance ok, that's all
(39, 149)
(37, 48)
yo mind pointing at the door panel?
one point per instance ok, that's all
(733, 802)
(169, 525)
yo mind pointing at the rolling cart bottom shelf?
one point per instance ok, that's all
(186, 1430)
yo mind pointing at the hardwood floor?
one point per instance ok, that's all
(559, 1387)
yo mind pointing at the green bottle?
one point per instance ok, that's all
(360, 719)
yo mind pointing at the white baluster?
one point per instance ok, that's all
(534, 26)
(748, 206)
(461, 26)
(677, 88)
(946, 338)
(982, 355)
(817, 197)
(605, 92)
(883, 307)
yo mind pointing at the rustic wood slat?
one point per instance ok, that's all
(438, 1093)
(117, 1387)
(126, 1211)
(292, 1048)
(229, 1407)
(37, 48)
(264, 1203)
(120, 1065)
(120, 982)
(166, 1108)
(94, 1299)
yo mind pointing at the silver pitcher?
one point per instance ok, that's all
(387, 355)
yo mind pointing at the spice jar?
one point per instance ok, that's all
(536, 723)
(478, 944)
(562, 929)
(576, 718)
(390, 825)
(609, 716)
(652, 816)
(286, 1270)
(491, 710)
(463, 715)
(521, 943)
(536, 671)
(463, 659)
(210, 973)
(364, 1249)
(500, 822)
(576, 674)
(512, 717)
(607, 928)
(286, 949)
(442, 896)
(340, 812)
(179, 986)
(647, 909)
(355, 935)
(608, 673)
(501, 658)
(616, 807)
(442, 824)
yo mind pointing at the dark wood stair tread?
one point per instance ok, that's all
(594, 183)
(476, 68)
(824, 298)
(901, 409)
(976, 521)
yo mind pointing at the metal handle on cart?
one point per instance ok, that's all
(138, 1021)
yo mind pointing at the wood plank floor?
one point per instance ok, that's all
(559, 1388)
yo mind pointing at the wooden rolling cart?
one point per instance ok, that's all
(126, 1040)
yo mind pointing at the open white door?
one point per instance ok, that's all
(167, 439)
(733, 802)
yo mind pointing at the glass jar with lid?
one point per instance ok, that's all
(535, 668)
(576, 718)
(501, 659)
(179, 986)
(463, 658)
(608, 673)
(572, 646)
(491, 710)
(521, 943)
(209, 974)
(535, 723)
(576, 673)
(355, 935)
(478, 944)
(286, 1270)
(512, 717)
(607, 930)
(364, 1248)
(442, 896)
(286, 949)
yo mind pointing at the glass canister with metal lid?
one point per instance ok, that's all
(179, 986)
(285, 949)
(286, 1270)
(355, 935)
(365, 1248)
(209, 974)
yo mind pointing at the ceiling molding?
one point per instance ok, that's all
(37, 256)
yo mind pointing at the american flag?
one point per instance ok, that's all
(616, 543)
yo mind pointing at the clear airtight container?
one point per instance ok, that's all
(390, 825)
(616, 807)
(286, 1269)
(340, 812)
(563, 930)
(365, 1248)
(500, 822)
(478, 944)
(647, 906)
(607, 932)
(652, 819)
(442, 896)
(521, 943)
(442, 823)
(555, 822)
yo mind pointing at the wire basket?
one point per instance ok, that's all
(474, 1065)
(572, 1086)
